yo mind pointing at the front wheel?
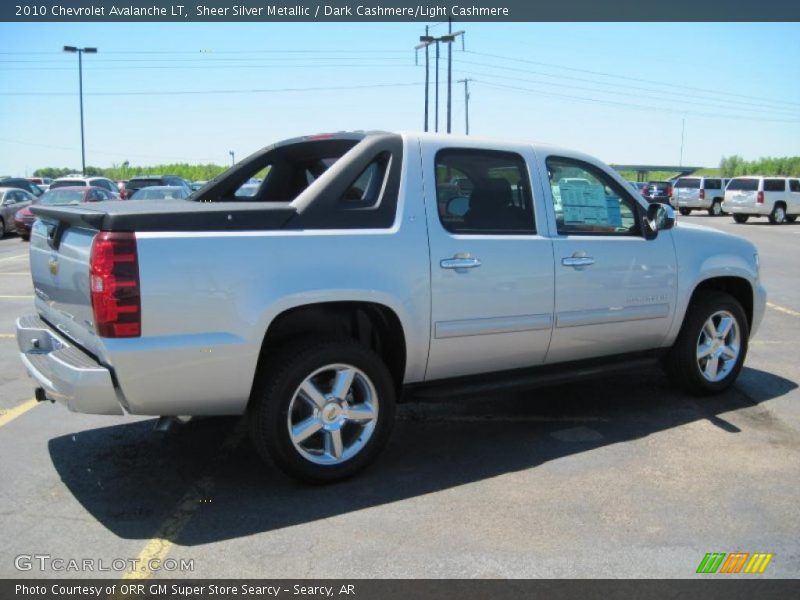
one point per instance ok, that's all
(711, 346)
(778, 215)
(716, 209)
(326, 412)
(741, 218)
(685, 211)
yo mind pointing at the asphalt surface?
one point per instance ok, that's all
(621, 477)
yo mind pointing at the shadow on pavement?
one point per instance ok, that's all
(130, 479)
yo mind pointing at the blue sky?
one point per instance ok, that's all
(617, 91)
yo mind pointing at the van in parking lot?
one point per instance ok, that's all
(699, 193)
(777, 198)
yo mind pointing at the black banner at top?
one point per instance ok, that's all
(396, 10)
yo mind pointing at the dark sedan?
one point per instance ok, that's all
(658, 191)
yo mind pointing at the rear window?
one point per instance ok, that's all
(743, 185)
(688, 183)
(68, 183)
(661, 186)
(62, 197)
(774, 185)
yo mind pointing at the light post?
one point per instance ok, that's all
(233, 160)
(80, 52)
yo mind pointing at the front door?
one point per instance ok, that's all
(491, 272)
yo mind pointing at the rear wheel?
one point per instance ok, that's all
(791, 218)
(684, 211)
(711, 346)
(716, 209)
(741, 218)
(2, 229)
(326, 412)
(778, 214)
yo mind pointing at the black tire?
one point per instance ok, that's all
(716, 209)
(682, 363)
(685, 211)
(741, 218)
(25, 237)
(778, 214)
(2, 229)
(791, 218)
(272, 399)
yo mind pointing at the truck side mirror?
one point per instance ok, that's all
(659, 217)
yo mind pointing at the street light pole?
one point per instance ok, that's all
(80, 51)
(233, 160)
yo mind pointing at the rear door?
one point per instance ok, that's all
(491, 269)
(615, 290)
(741, 192)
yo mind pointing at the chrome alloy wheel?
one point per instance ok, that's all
(718, 346)
(333, 414)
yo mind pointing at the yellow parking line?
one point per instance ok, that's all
(156, 550)
(7, 336)
(783, 309)
(9, 414)
(14, 273)
(13, 257)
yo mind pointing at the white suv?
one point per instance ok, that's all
(777, 198)
(81, 181)
(699, 193)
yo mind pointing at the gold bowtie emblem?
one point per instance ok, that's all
(52, 264)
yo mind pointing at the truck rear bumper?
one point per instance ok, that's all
(66, 373)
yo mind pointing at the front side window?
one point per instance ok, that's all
(587, 200)
(483, 192)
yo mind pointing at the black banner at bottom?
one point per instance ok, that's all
(715, 587)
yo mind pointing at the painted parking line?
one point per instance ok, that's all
(1, 273)
(783, 309)
(7, 336)
(158, 547)
(7, 258)
(13, 297)
(9, 414)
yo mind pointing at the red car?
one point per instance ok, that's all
(24, 218)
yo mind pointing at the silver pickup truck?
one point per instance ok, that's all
(368, 264)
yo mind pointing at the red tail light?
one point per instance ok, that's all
(669, 191)
(760, 198)
(114, 285)
(702, 194)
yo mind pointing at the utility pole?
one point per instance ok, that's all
(233, 160)
(80, 51)
(425, 41)
(466, 102)
(683, 129)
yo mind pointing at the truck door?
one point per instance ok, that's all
(615, 290)
(491, 271)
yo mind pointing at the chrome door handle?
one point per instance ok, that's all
(577, 261)
(459, 262)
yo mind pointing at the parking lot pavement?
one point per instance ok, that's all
(619, 477)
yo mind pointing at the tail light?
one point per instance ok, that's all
(760, 198)
(702, 194)
(669, 191)
(114, 285)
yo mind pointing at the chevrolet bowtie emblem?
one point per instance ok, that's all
(52, 264)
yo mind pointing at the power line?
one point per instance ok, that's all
(107, 153)
(639, 79)
(201, 92)
(630, 105)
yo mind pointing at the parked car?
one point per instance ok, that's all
(103, 183)
(777, 198)
(161, 192)
(22, 184)
(658, 191)
(12, 200)
(23, 221)
(313, 305)
(699, 193)
(40, 181)
(196, 185)
(134, 184)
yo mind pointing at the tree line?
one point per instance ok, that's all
(125, 171)
(732, 166)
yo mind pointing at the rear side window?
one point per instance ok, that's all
(794, 185)
(713, 184)
(690, 183)
(483, 191)
(774, 185)
(743, 185)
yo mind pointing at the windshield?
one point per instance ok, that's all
(745, 185)
(693, 184)
(62, 197)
